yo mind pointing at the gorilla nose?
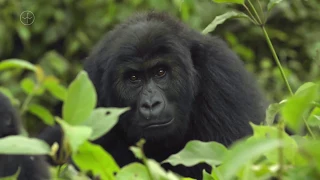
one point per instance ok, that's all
(151, 108)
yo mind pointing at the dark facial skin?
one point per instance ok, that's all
(152, 104)
(150, 89)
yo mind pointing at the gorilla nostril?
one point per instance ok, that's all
(146, 106)
(156, 104)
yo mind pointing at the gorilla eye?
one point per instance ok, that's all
(134, 78)
(160, 72)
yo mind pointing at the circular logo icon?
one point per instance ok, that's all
(27, 17)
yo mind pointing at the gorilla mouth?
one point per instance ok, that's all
(158, 124)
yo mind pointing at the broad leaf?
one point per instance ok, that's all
(96, 159)
(221, 19)
(207, 176)
(27, 85)
(157, 172)
(75, 135)
(134, 171)
(56, 89)
(102, 120)
(272, 111)
(18, 145)
(297, 106)
(80, 101)
(289, 144)
(314, 118)
(43, 113)
(244, 151)
(196, 152)
(305, 86)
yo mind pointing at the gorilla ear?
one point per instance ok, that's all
(198, 53)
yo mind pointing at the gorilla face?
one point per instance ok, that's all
(151, 72)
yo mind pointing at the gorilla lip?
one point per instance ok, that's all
(157, 125)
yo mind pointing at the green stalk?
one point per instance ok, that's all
(27, 102)
(276, 59)
(251, 15)
(255, 11)
(262, 12)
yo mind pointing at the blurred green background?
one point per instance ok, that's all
(64, 31)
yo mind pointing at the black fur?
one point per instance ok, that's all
(217, 95)
(31, 167)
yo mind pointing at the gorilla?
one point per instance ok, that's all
(181, 85)
(31, 167)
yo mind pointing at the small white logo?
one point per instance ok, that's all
(27, 17)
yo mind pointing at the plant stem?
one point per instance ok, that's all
(255, 11)
(26, 102)
(276, 59)
(308, 128)
(251, 15)
(262, 12)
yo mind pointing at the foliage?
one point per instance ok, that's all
(269, 152)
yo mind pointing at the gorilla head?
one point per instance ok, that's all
(149, 68)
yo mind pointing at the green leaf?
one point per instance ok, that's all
(229, 1)
(221, 19)
(27, 85)
(310, 149)
(80, 101)
(75, 135)
(55, 63)
(42, 112)
(314, 118)
(271, 113)
(102, 120)
(56, 89)
(157, 172)
(272, 3)
(207, 176)
(289, 144)
(90, 157)
(134, 171)
(304, 87)
(244, 151)
(137, 152)
(16, 63)
(196, 152)
(18, 145)
(297, 106)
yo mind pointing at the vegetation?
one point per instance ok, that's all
(277, 39)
